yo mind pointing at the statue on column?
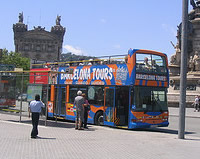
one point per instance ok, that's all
(195, 4)
(191, 63)
(196, 60)
(176, 58)
(58, 19)
(21, 17)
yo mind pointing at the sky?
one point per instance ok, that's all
(98, 27)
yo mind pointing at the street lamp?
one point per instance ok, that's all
(183, 75)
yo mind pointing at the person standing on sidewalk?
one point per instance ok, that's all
(196, 103)
(86, 110)
(79, 104)
(199, 104)
(35, 108)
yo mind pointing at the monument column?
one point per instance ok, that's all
(193, 58)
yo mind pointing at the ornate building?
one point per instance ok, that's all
(39, 44)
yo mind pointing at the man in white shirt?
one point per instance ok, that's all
(79, 102)
(35, 108)
(196, 103)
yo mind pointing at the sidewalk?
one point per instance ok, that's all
(61, 141)
(189, 112)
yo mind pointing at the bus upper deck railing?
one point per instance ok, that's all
(115, 59)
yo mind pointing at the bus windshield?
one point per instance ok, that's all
(150, 63)
(150, 99)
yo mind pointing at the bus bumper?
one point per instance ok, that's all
(136, 125)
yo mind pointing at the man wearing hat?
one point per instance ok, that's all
(79, 103)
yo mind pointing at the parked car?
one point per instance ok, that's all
(23, 97)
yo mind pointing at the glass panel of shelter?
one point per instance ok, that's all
(55, 101)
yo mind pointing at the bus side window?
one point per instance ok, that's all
(73, 92)
(96, 95)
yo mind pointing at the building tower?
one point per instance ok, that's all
(38, 44)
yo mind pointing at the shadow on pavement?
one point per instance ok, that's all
(51, 123)
(192, 139)
(48, 138)
(163, 130)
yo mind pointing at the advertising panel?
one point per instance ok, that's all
(113, 74)
(32, 91)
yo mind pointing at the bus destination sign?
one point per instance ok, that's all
(151, 77)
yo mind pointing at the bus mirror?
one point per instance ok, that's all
(69, 70)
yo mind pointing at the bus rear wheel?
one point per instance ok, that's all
(99, 118)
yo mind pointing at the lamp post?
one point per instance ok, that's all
(183, 76)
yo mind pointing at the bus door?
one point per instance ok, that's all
(122, 106)
(60, 100)
(109, 106)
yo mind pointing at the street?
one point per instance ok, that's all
(192, 127)
(192, 121)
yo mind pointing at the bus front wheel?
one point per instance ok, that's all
(99, 118)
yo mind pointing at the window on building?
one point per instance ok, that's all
(26, 47)
(49, 48)
(38, 48)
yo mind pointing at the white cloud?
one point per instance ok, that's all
(74, 50)
(170, 29)
(103, 20)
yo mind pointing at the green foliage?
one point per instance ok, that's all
(15, 59)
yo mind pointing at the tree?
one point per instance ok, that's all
(15, 59)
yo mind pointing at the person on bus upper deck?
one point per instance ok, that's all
(90, 62)
(35, 108)
(146, 62)
(86, 110)
(80, 63)
(97, 62)
(78, 102)
(126, 59)
(70, 63)
(155, 66)
(46, 65)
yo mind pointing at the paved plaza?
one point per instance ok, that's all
(60, 141)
